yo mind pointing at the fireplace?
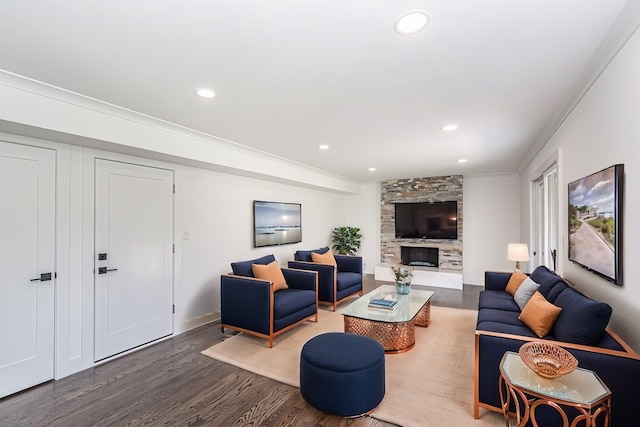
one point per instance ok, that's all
(419, 256)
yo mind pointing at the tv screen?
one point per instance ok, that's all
(276, 223)
(427, 220)
(595, 222)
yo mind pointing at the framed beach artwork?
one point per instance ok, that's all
(596, 223)
(276, 223)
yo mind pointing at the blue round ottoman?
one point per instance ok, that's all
(342, 374)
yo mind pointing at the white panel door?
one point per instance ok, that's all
(27, 253)
(134, 232)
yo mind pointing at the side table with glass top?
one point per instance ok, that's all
(581, 389)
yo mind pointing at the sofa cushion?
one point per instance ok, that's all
(546, 278)
(555, 291)
(583, 320)
(539, 315)
(325, 258)
(288, 301)
(272, 273)
(306, 255)
(507, 329)
(493, 315)
(347, 279)
(244, 268)
(498, 300)
(516, 279)
(524, 292)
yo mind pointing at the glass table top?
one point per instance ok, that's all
(580, 386)
(408, 305)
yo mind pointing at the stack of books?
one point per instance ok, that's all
(383, 304)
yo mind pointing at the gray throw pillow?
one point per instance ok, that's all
(524, 292)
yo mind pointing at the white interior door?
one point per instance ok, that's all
(537, 241)
(133, 256)
(27, 253)
(545, 220)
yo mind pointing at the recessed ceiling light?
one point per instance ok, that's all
(462, 161)
(205, 93)
(323, 147)
(372, 169)
(412, 22)
(449, 128)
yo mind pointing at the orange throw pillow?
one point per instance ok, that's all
(325, 258)
(272, 273)
(539, 314)
(516, 279)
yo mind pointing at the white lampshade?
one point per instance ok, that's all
(517, 252)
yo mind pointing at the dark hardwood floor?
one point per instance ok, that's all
(172, 384)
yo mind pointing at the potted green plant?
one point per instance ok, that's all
(346, 240)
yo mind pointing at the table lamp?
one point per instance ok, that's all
(517, 252)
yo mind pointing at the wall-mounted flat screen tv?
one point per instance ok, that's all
(276, 223)
(427, 220)
(595, 222)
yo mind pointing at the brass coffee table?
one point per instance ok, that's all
(395, 330)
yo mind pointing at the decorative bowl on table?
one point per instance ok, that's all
(547, 360)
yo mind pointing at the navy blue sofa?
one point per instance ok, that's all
(581, 328)
(251, 305)
(334, 284)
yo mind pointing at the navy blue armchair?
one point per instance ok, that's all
(253, 306)
(334, 284)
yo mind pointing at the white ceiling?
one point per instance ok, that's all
(293, 74)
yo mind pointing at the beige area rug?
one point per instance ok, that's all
(430, 385)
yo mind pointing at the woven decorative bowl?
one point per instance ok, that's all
(547, 360)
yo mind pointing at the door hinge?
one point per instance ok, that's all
(174, 248)
(174, 309)
(174, 189)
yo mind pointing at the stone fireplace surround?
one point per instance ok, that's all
(440, 188)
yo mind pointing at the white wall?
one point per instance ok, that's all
(491, 221)
(363, 211)
(217, 213)
(601, 131)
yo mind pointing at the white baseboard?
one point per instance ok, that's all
(187, 325)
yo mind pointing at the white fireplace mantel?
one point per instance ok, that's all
(427, 277)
